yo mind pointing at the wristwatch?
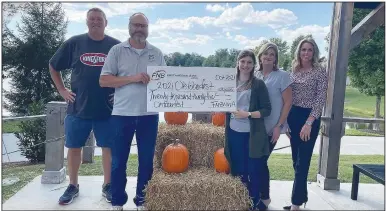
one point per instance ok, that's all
(309, 123)
(249, 115)
(280, 126)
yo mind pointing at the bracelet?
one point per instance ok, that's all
(280, 126)
(309, 123)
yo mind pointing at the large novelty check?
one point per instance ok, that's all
(191, 89)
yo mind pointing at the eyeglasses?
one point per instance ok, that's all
(137, 25)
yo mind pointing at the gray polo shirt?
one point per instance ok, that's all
(276, 82)
(124, 60)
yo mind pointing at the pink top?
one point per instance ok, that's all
(309, 90)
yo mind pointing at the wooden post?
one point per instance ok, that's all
(88, 149)
(54, 172)
(368, 24)
(327, 177)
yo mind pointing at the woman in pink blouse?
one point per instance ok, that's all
(309, 92)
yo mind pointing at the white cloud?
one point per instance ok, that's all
(77, 11)
(247, 42)
(274, 18)
(229, 35)
(231, 18)
(120, 34)
(234, 14)
(316, 31)
(216, 7)
(198, 40)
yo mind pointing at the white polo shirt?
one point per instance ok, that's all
(124, 60)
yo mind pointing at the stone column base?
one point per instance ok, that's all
(328, 184)
(54, 177)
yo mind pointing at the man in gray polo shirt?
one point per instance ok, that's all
(125, 69)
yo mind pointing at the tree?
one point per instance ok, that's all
(26, 55)
(33, 134)
(9, 10)
(184, 60)
(367, 62)
(210, 62)
(222, 58)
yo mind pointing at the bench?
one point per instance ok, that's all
(374, 171)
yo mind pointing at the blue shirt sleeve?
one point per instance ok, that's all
(62, 59)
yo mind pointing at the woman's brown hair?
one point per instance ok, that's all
(243, 54)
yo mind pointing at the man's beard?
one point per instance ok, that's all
(139, 38)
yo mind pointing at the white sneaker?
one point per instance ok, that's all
(116, 208)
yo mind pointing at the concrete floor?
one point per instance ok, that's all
(37, 196)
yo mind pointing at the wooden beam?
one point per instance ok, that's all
(357, 119)
(337, 71)
(373, 20)
(363, 120)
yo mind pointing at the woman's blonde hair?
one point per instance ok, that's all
(243, 54)
(296, 63)
(264, 49)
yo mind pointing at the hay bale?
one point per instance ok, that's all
(199, 188)
(202, 141)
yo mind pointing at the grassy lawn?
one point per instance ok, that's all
(280, 168)
(354, 132)
(360, 105)
(11, 127)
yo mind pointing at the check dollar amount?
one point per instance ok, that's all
(191, 89)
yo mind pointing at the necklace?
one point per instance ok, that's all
(239, 86)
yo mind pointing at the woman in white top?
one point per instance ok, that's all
(280, 94)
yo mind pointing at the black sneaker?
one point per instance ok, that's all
(106, 192)
(71, 192)
(138, 201)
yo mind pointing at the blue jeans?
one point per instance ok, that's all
(146, 129)
(77, 130)
(250, 170)
(301, 151)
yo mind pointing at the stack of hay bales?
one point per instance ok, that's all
(200, 187)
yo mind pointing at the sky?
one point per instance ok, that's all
(204, 28)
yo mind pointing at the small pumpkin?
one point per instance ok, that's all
(176, 118)
(220, 162)
(175, 158)
(218, 119)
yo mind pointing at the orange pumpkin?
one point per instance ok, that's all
(220, 162)
(175, 158)
(176, 118)
(218, 119)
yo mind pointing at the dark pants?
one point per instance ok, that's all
(265, 174)
(250, 170)
(301, 151)
(146, 129)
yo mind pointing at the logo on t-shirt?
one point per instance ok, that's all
(93, 59)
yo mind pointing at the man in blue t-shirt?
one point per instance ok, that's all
(89, 106)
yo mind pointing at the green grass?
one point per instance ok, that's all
(11, 127)
(280, 166)
(354, 132)
(360, 105)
